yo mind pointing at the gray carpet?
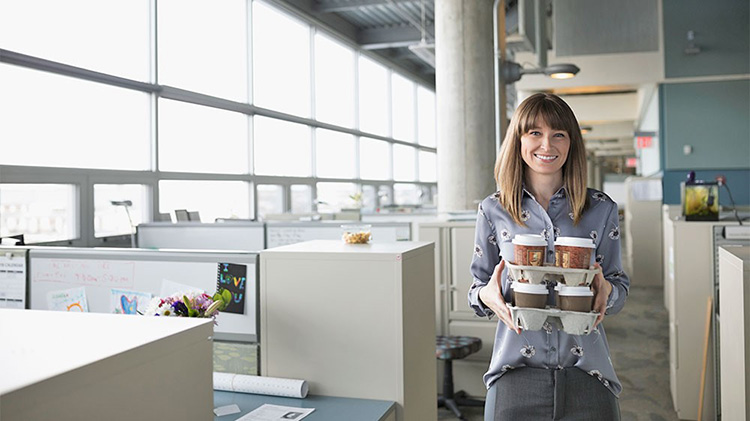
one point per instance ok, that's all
(639, 346)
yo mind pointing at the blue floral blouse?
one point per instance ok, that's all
(549, 348)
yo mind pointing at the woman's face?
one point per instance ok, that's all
(545, 150)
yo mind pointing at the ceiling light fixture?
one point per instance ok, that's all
(513, 71)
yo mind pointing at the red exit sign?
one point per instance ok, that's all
(644, 141)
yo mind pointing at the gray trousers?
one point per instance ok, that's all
(540, 394)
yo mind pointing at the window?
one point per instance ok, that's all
(41, 212)
(301, 198)
(404, 121)
(334, 82)
(373, 97)
(212, 199)
(332, 197)
(404, 161)
(282, 148)
(115, 219)
(406, 194)
(203, 46)
(82, 33)
(85, 124)
(334, 154)
(374, 159)
(281, 61)
(194, 138)
(426, 117)
(270, 199)
(427, 166)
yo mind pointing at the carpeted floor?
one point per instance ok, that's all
(639, 345)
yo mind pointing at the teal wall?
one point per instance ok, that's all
(713, 117)
(722, 31)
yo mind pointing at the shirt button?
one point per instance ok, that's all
(553, 349)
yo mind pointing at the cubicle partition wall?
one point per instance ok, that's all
(239, 235)
(283, 233)
(123, 281)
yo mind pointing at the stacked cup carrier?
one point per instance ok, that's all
(530, 278)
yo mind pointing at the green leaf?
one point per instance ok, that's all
(193, 312)
(226, 296)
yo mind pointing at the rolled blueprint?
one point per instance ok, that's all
(273, 386)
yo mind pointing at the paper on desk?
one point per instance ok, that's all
(227, 410)
(276, 413)
(12, 281)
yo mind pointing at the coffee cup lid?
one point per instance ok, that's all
(529, 288)
(574, 291)
(575, 242)
(529, 240)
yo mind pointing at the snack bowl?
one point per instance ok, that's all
(356, 233)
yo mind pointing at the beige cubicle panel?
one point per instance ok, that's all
(353, 320)
(87, 366)
(734, 299)
(689, 283)
(454, 247)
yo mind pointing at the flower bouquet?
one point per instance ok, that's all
(189, 304)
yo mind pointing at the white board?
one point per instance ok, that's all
(99, 271)
(285, 233)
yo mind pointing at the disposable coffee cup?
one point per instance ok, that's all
(574, 298)
(529, 249)
(529, 295)
(573, 252)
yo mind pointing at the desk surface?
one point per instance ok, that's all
(326, 408)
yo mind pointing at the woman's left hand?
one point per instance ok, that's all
(602, 288)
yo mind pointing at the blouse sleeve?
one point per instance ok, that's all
(486, 257)
(611, 263)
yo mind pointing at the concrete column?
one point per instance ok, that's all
(465, 89)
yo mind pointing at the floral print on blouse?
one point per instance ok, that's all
(549, 347)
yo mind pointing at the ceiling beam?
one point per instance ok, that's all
(335, 6)
(401, 36)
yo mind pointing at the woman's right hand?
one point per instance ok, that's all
(492, 297)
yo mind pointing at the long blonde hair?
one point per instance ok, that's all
(510, 167)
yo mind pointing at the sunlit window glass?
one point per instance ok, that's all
(281, 61)
(112, 213)
(270, 199)
(301, 198)
(332, 197)
(203, 46)
(105, 36)
(41, 212)
(195, 138)
(427, 166)
(404, 163)
(334, 82)
(385, 196)
(406, 194)
(373, 97)
(211, 199)
(426, 116)
(57, 121)
(334, 154)
(404, 120)
(369, 198)
(374, 159)
(281, 148)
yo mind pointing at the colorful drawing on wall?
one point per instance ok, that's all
(233, 277)
(124, 301)
(73, 300)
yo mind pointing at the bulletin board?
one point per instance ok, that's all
(99, 271)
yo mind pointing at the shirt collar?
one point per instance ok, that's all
(559, 194)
